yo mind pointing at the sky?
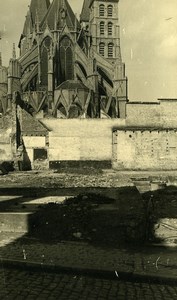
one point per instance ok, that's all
(148, 43)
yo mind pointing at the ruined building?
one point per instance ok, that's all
(64, 100)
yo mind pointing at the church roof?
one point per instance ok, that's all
(85, 11)
(40, 7)
(60, 9)
(28, 25)
(37, 8)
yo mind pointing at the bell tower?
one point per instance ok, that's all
(105, 41)
(104, 28)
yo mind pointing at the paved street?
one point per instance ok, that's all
(17, 284)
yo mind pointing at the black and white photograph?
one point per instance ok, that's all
(88, 150)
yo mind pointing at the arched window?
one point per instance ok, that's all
(110, 10)
(102, 48)
(110, 49)
(101, 28)
(101, 10)
(66, 60)
(110, 26)
(44, 60)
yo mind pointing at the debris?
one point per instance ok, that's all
(24, 254)
(77, 235)
(157, 262)
(117, 274)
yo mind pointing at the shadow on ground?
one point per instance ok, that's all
(110, 216)
(103, 217)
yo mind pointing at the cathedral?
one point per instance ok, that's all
(64, 100)
(68, 67)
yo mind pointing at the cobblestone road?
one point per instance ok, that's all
(17, 284)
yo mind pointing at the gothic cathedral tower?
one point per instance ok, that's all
(105, 43)
(104, 28)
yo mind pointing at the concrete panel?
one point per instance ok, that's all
(34, 141)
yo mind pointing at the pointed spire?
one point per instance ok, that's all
(63, 4)
(14, 52)
(41, 6)
(85, 13)
(75, 25)
(56, 20)
(0, 59)
(37, 21)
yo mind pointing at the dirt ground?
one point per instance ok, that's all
(76, 215)
(74, 178)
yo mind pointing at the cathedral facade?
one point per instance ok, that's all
(63, 101)
(69, 68)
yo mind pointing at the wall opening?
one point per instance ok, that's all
(40, 154)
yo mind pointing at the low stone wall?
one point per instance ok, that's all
(145, 149)
(80, 142)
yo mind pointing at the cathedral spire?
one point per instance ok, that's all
(14, 52)
(37, 21)
(63, 4)
(85, 13)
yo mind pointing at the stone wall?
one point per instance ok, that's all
(5, 139)
(84, 140)
(141, 141)
(168, 112)
(152, 114)
(143, 114)
(138, 149)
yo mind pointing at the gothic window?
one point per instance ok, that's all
(44, 60)
(101, 28)
(110, 10)
(66, 59)
(102, 49)
(110, 25)
(110, 49)
(101, 10)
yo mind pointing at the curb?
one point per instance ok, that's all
(106, 274)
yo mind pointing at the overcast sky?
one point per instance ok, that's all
(148, 42)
